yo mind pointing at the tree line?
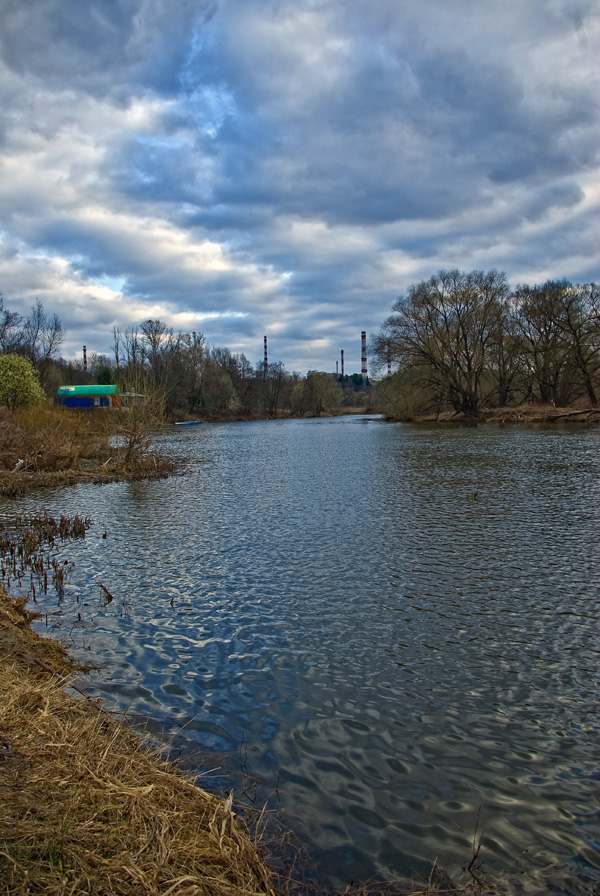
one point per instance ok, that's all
(192, 377)
(207, 380)
(464, 341)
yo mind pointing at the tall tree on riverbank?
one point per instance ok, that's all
(579, 324)
(543, 347)
(37, 337)
(444, 331)
(42, 335)
(10, 329)
(462, 341)
(161, 360)
(318, 393)
(560, 340)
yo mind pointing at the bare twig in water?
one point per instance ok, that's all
(109, 597)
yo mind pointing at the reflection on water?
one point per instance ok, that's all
(385, 630)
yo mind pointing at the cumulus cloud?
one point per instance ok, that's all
(288, 168)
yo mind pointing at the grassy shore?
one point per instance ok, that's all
(86, 808)
(48, 446)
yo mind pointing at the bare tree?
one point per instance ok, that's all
(155, 339)
(117, 345)
(444, 329)
(578, 323)
(506, 371)
(136, 422)
(543, 345)
(272, 381)
(133, 352)
(181, 364)
(10, 329)
(42, 336)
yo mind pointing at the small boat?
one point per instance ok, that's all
(188, 423)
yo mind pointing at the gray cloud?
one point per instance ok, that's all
(290, 168)
(102, 46)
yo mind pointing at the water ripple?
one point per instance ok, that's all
(393, 629)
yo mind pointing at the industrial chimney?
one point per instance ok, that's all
(363, 342)
(266, 358)
(342, 355)
(85, 358)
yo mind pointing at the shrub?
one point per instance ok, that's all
(19, 383)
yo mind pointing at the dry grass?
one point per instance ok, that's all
(535, 413)
(51, 439)
(19, 644)
(52, 446)
(86, 808)
(543, 413)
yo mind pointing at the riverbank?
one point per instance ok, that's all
(526, 414)
(542, 414)
(45, 447)
(56, 447)
(233, 417)
(87, 808)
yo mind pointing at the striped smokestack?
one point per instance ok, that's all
(266, 358)
(363, 343)
(342, 355)
(85, 358)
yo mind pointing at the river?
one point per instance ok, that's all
(387, 632)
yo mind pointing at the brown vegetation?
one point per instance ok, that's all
(539, 413)
(463, 341)
(86, 809)
(48, 446)
(536, 413)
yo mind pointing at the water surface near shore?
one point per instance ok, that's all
(386, 630)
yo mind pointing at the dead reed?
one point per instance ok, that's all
(92, 811)
(28, 550)
(50, 446)
(51, 439)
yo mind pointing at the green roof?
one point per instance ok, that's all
(88, 390)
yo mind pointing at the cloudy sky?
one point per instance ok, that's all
(289, 167)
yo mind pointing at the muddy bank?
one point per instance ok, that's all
(524, 414)
(542, 414)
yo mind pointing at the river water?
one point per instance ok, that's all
(387, 632)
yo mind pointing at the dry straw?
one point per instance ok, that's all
(53, 446)
(87, 808)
